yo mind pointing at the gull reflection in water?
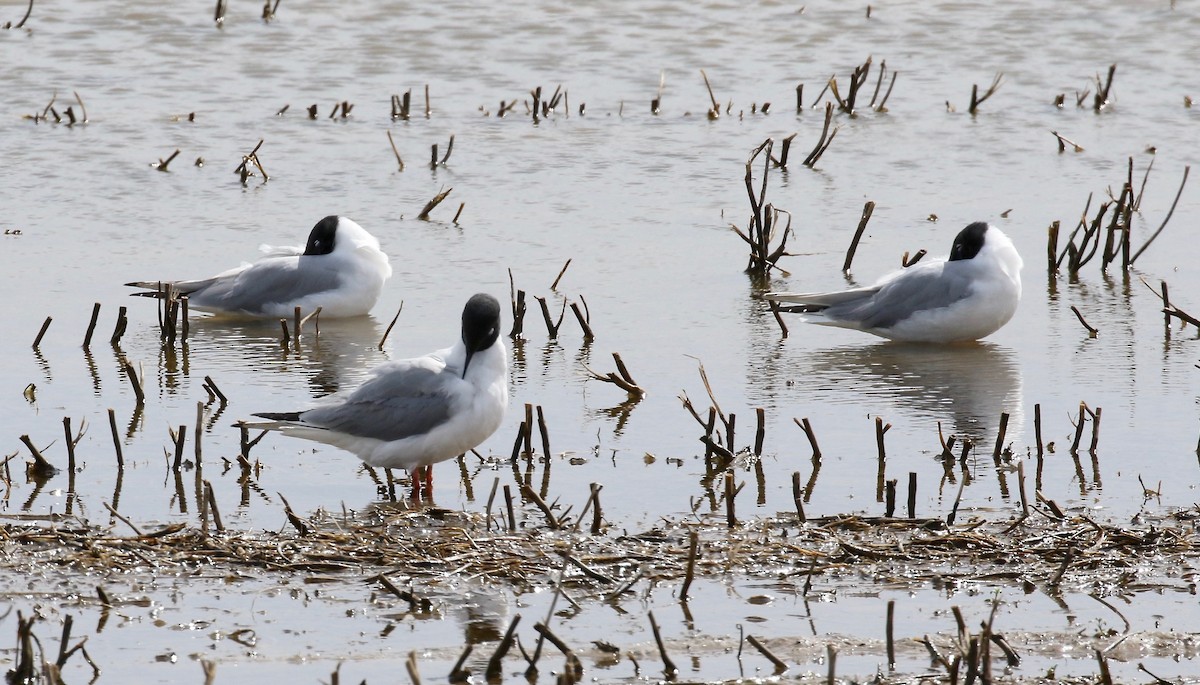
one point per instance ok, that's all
(340, 357)
(965, 387)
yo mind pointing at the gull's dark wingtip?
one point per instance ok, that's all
(279, 416)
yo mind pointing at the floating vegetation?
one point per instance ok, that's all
(418, 553)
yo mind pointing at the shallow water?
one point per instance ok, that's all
(641, 204)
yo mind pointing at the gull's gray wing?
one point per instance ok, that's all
(268, 281)
(918, 288)
(404, 398)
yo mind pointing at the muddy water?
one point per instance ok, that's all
(641, 204)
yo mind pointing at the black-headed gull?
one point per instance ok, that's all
(965, 297)
(416, 412)
(340, 269)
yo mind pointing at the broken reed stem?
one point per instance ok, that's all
(977, 100)
(957, 500)
(891, 642)
(823, 142)
(690, 574)
(42, 332)
(124, 520)
(1095, 430)
(543, 431)
(1079, 427)
(199, 430)
(867, 210)
(880, 429)
(912, 494)
(588, 335)
(554, 285)
(1105, 676)
(41, 468)
(508, 504)
(1078, 315)
(831, 657)
(1064, 141)
(811, 435)
(399, 160)
(211, 385)
(780, 666)
(87, 338)
(551, 326)
(783, 328)
(760, 432)
(388, 332)
(1037, 428)
(730, 498)
(494, 671)
(457, 674)
(116, 436)
(1000, 437)
(1052, 247)
(1170, 212)
(532, 495)
(1021, 488)
(137, 384)
(1100, 99)
(715, 112)
(796, 496)
(71, 442)
(212, 506)
(669, 668)
(180, 438)
(437, 199)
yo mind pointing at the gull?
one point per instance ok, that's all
(340, 269)
(962, 298)
(413, 413)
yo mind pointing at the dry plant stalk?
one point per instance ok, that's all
(621, 378)
(437, 199)
(764, 219)
(977, 100)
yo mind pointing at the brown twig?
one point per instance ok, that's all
(867, 211)
(399, 159)
(1170, 212)
(1091, 331)
(391, 325)
(437, 199)
(977, 100)
(621, 378)
(1064, 141)
(42, 332)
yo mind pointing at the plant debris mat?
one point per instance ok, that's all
(418, 553)
(428, 545)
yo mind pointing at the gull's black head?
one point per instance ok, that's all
(321, 237)
(968, 242)
(480, 325)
